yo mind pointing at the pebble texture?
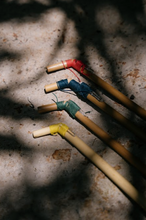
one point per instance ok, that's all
(47, 178)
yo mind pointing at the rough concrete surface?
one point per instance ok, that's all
(47, 178)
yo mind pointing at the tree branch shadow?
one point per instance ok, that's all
(92, 34)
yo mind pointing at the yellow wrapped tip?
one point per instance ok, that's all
(59, 128)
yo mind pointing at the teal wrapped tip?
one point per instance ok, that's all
(71, 107)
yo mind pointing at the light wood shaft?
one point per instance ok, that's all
(47, 108)
(41, 132)
(51, 87)
(120, 118)
(117, 94)
(116, 146)
(107, 87)
(105, 137)
(57, 66)
(110, 111)
(109, 171)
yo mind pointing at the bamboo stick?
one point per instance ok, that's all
(57, 66)
(108, 110)
(80, 67)
(47, 108)
(116, 146)
(41, 132)
(100, 163)
(141, 112)
(51, 87)
(118, 117)
(109, 171)
(106, 138)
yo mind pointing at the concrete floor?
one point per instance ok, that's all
(35, 181)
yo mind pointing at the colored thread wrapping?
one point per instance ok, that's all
(71, 107)
(59, 128)
(71, 70)
(82, 89)
(75, 74)
(62, 129)
(63, 65)
(77, 65)
(55, 96)
(54, 129)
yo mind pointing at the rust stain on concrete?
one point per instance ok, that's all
(62, 154)
(133, 74)
(117, 167)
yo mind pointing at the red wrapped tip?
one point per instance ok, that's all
(76, 64)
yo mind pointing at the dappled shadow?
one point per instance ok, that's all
(97, 31)
(17, 110)
(15, 10)
(52, 199)
(5, 54)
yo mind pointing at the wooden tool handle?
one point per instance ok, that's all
(116, 146)
(109, 171)
(117, 94)
(41, 132)
(47, 108)
(57, 66)
(97, 80)
(51, 87)
(105, 137)
(120, 118)
(54, 86)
